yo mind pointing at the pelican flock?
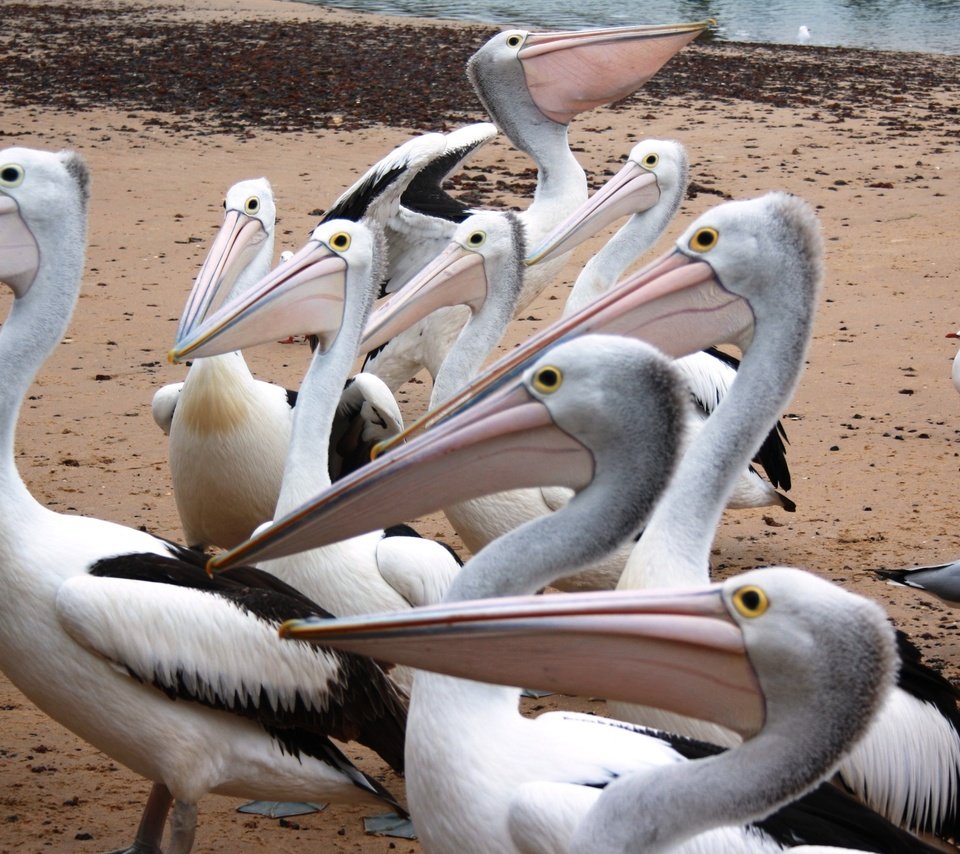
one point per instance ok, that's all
(772, 710)
(480, 776)
(229, 432)
(532, 85)
(709, 287)
(483, 268)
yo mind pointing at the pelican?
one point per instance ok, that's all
(743, 272)
(334, 277)
(481, 777)
(955, 370)
(531, 85)
(106, 628)
(228, 431)
(942, 580)
(708, 374)
(482, 268)
(917, 786)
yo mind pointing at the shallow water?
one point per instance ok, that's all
(930, 26)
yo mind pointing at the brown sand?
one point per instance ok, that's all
(871, 139)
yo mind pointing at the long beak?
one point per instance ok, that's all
(677, 650)
(302, 296)
(632, 190)
(455, 277)
(19, 253)
(233, 247)
(675, 303)
(506, 441)
(571, 72)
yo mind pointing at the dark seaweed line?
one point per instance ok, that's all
(242, 75)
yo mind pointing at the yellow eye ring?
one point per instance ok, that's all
(477, 239)
(704, 239)
(252, 205)
(547, 379)
(514, 40)
(650, 160)
(11, 175)
(340, 241)
(750, 601)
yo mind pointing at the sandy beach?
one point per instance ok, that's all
(171, 104)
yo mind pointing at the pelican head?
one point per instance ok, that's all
(302, 296)
(30, 184)
(460, 275)
(566, 73)
(750, 648)
(246, 236)
(655, 169)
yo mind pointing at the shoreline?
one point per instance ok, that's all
(294, 66)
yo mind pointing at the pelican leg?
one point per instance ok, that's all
(150, 831)
(183, 827)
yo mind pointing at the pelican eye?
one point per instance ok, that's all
(704, 239)
(514, 40)
(750, 601)
(477, 239)
(11, 175)
(547, 379)
(650, 160)
(340, 241)
(251, 205)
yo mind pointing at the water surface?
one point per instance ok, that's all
(930, 26)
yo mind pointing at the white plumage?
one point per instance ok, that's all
(481, 777)
(229, 432)
(95, 616)
(327, 287)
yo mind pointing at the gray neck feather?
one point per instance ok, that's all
(35, 325)
(504, 94)
(603, 270)
(594, 523)
(485, 327)
(684, 522)
(634, 450)
(818, 707)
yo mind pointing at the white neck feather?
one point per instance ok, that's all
(307, 469)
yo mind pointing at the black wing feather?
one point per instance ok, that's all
(426, 196)
(354, 206)
(364, 707)
(772, 456)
